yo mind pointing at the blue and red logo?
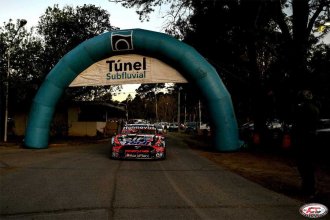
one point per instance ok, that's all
(313, 210)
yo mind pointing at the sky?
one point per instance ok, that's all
(121, 17)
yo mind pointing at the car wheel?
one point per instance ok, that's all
(111, 154)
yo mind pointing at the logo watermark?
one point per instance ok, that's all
(313, 210)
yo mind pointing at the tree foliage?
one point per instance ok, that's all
(64, 29)
(32, 54)
(21, 58)
(149, 90)
(264, 50)
(261, 48)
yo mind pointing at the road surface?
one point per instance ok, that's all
(81, 182)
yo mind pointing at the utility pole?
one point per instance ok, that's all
(180, 88)
(21, 24)
(156, 107)
(185, 108)
(199, 113)
(126, 108)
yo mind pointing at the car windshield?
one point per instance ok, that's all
(146, 131)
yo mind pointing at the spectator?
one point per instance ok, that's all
(306, 116)
(165, 129)
(11, 127)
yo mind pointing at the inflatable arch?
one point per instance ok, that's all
(164, 47)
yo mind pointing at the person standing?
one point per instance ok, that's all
(306, 117)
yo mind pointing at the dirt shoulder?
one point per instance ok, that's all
(275, 170)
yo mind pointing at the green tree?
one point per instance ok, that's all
(319, 65)
(14, 39)
(167, 107)
(149, 90)
(137, 107)
(20, 59)
(34, 53)
(64, 29)
(260, 47)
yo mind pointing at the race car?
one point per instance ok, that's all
(138, 142)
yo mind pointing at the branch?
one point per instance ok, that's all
(280, 20)
(315, 16)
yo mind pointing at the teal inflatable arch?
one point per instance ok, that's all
(164, 47)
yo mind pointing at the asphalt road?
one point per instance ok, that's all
(81, 182)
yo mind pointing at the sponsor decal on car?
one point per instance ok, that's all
(140, 127)
(137, 142)
(136, 151)
(313, 210)
(143, 144)
(137, 155)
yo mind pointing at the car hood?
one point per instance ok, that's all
(136, 139)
